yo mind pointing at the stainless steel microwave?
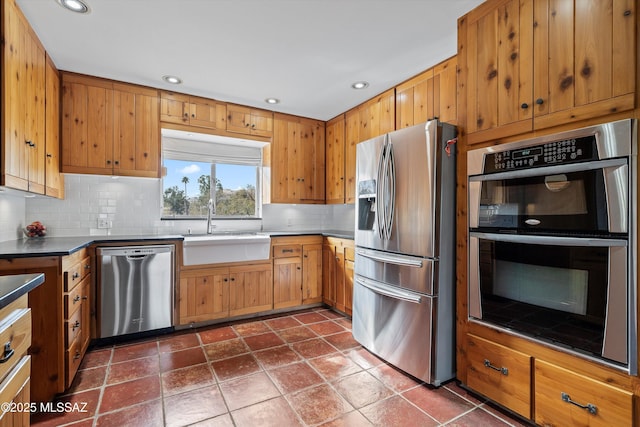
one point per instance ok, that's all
(552, 240)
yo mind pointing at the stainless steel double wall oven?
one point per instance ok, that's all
(552, 240)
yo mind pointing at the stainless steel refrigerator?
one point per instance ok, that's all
(404, 287)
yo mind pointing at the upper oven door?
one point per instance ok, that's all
(587, 198)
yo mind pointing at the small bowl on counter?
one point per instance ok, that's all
(35, 230)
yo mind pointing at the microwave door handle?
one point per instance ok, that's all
(388, 291)
(379, 191)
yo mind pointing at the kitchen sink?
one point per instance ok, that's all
(225, 247)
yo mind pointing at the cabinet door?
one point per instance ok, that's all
(174, 108)
(445, 99)
(310, 161)
(352, 138)
(15, 390)
(86, 315)
(498, 44)
(566, 398)
(202, 113)
(53, 179)
(501, 374)
(311, 273)
(238, 119)
(87, 125)
(378, 116)
(335, 161)
(287, 282)
(204, 295)
(329, 275)
(582, 69)
(339, 279)
(136, 131)
(414, 100)
(250, 289)
(349, 270)
(261, 123)
(35, 114)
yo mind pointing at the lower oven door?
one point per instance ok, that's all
(394, 324)
(571, 292)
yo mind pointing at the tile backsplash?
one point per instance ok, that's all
(12, 214)
(132, 206)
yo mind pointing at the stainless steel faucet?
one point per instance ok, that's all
(209, 214)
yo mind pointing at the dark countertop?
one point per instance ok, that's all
(342, 234)
(61, 246)
(14, 286)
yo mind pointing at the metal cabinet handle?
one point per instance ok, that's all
(539, 101)
(49, 155)
(593, 409)
(87, 266)
(75, 325)
(75, 275)
(85, 297)
(503, 370)
(76, 299)
(524, 106)
(8, 352)
(76, 356)
(287, 250)
(30, 144)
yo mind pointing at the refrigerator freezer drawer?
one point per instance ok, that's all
(409, 272)
(397, 325)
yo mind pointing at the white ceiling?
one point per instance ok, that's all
(306, 53)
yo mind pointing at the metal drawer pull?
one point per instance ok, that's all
(593, 409)
(8, 352)
(75, 325)
(76, 299)
(287, 250)
(503, 371)
(75, 275)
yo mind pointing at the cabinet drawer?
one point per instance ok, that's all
(15, 338)
(74, 358)
(14, 388)
(501, 374)
(565, 398)
(74, 325)
(74, 299)
(287, 251)
(76, 273)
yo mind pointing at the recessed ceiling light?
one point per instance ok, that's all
(272, 101)
(78, 6)
(360, 85)
(172, 79)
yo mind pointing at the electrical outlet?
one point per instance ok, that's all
(104, 223)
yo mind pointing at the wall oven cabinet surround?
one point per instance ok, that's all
(552, 240)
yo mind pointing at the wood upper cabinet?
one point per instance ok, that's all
(23, 98)
(352, 138)
(335, 160)
(136, 131)
(192, 110)
(535, 64)
(414, 100)
(377, 116)
(445, 92)
(584, 59)
(109, 128)
(54, 180)
(249, 121)
(297, 160)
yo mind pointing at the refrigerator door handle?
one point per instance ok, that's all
(391, 188)
(382, 289)
(380, 193)
(390, 259)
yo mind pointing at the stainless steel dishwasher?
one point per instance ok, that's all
(135, 289)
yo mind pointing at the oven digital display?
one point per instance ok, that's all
(552, 153)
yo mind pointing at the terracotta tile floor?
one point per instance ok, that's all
(300, 369)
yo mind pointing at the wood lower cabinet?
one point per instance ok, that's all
(219, 291)
(109, 128)
(297, 271)
(61, 319)
(499, 373)
(337, 272)
(564, 398)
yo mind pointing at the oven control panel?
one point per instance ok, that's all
(551, 153)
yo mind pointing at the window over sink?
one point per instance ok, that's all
(199, 168)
